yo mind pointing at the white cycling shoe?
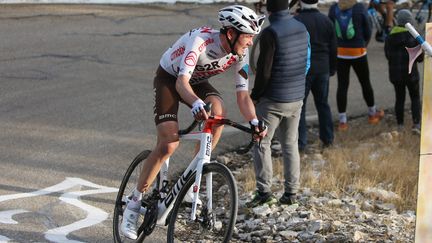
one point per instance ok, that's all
(129, 224)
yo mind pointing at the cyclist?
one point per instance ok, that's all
(182, 76)
(385, 8)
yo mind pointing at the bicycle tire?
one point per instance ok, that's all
(418, 10)
(213, 227)
(127, 185)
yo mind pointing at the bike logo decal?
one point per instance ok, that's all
(235, 22)
(94, 215)
(191, 59)
(206, 29)
(176, 189)
(205, 43)
(208, 66)
(208, 146)
(178, 52)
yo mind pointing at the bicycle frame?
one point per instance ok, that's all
(202, 157)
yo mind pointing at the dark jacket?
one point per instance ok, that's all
(361, 24)
(283, 61)
(322, 39)
(397, 55)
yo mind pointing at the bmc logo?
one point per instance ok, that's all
(234, 22)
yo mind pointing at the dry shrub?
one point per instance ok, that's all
(369, 156)
(364, 157)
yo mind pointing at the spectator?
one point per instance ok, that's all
(353, 34)
(278, 94)
(323, 65)
(398, 60)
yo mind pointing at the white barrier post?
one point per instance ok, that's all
(424, 198)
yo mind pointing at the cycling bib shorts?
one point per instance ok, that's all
(167, 98)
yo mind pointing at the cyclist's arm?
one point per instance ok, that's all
(246, 105)
(186, 68)
(185, 90)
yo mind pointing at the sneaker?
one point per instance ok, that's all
(376, 118)
(288, 199)
(261, 198)
(343, 126)
(327, 145)
(379, 36)
(129, 223)
(416, 129)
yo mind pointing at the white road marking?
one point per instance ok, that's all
(94, 215)
(6, 216)
(4, 239)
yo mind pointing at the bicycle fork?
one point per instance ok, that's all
(202, 159)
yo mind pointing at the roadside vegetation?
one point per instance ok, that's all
(364, 157)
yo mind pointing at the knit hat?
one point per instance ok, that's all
(404, 16)
(308, 4)
(309, 1)
(277, 5)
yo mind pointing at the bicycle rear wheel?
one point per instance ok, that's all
(215, 219)
(127, 186)
(422, 13)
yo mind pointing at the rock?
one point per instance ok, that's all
(356, 216)
(380, 194)
(262, 210)
(288, 234)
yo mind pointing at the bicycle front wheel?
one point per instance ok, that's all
(127, 186)
(216, 213)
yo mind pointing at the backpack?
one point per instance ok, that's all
(344, 24)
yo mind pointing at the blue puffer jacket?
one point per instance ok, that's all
(291, 58)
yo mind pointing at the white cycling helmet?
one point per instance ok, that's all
(241, 18)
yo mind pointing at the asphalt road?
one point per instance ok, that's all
(76, 107)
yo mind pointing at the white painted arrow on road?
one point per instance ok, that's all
(94, 215)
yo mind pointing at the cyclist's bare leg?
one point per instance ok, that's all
(381, 9)
(219, 110)
(167, 143)
(389, 10)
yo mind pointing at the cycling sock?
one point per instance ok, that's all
(371, 110)
(135, 203)
(343, 117)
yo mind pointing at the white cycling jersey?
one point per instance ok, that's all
(199, 55)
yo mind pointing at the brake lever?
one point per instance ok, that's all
(200, 125)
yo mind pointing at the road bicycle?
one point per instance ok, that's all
(194, 208)
(421, 10)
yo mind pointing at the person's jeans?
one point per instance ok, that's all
(319, 85)
(285, 117)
